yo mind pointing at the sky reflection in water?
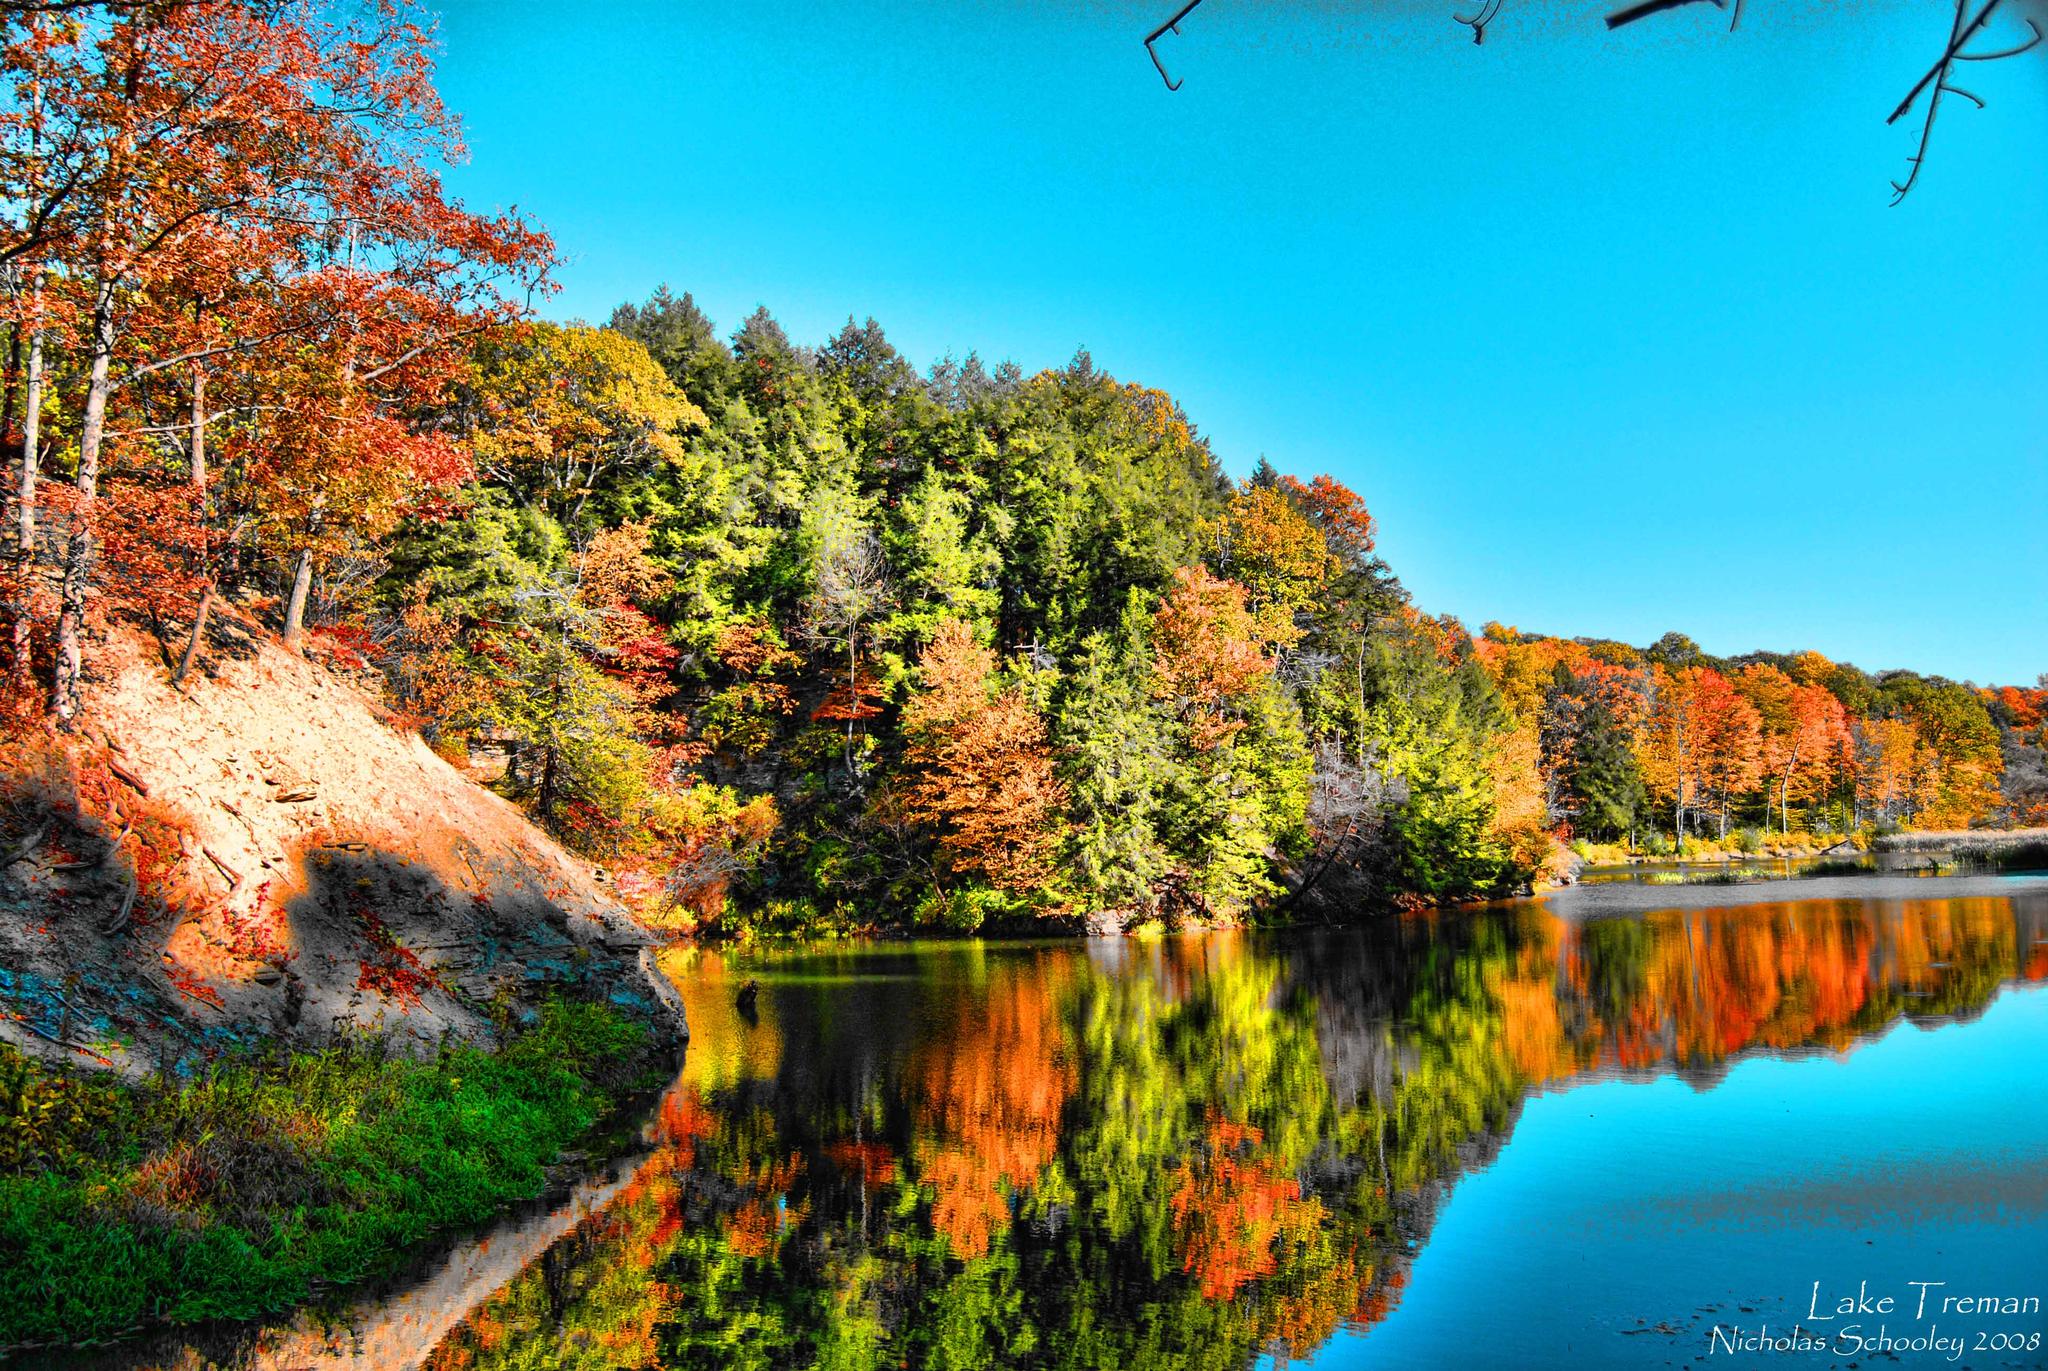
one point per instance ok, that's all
(1496, 1138)
(1213, 1149)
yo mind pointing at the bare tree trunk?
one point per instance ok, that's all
(852, 689)
(13, 387)
(544, 791)
(25, 495)
(295, 608)
(32, 414)
(196, 448)
(67, 689)
(197, 475)
(198, 636)
(66, 694)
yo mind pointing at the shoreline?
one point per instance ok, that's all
(438, 1253)
(1582, 898)
(279, 1182)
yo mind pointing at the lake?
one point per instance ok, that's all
(1620, 1126)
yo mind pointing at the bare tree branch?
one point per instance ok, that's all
(2004, 52)
(1961, 31)
(1645, 8)
(1959, 34)
(1170, 26)
(1488, 11)
(1937, 82)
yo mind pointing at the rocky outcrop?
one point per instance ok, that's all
(264, 854)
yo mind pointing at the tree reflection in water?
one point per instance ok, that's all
(1188, 1152)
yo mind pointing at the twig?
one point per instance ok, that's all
(1170, 26)
(30, 844)
(2004, 53)
(141, 787)
(121, 917)
(234, 877)
(1646, 8)
(1937, 76)
(1959, 34)
(22, 1019)
(1488, 11)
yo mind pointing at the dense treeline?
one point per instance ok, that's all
(810, 630)
(787, 635)
(1672, 739)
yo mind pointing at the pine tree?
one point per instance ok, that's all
(1119, 768)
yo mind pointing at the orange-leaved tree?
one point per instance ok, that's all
(981, 766)
(211, 181)
(1273, 549)
(1731, 741)
(1892, 771)
(1805, 733)
(1213, 652)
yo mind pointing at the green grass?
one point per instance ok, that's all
(250, 1190)
(1746, 875)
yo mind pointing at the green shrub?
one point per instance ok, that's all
(239, 1193)
(972, 908)
(48, 1118)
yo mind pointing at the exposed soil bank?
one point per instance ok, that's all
(264, 857)
(282, 997)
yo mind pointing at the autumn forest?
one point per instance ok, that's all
(792, 635)
(551, 816)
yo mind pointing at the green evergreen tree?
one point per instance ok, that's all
(1118, 765)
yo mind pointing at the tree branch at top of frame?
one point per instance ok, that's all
(1961, 31)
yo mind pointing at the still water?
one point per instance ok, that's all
(1564, 1132)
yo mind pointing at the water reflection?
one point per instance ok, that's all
(1193, 1151)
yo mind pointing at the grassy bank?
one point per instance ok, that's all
(2018, 849)
(246, 1191)
(1743, 844)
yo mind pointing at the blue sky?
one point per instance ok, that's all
(1615, 333)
